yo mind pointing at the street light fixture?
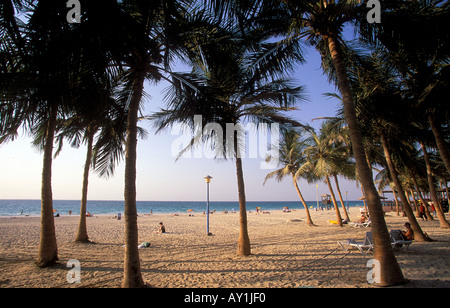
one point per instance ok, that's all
(208, 180)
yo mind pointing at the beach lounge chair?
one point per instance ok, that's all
(364, 247)
(398, 240)
(361, 224)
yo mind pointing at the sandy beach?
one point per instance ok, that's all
(286, 252)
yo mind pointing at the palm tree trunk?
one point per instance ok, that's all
(48, 249)
(364, 198)
(418, 233)
(440, 142)
(446, 191)
(244, 248)
(419, 193)
(437, 205)
(308, 215)
(132, 269)
(341, 199)
(82, 235)
(396, 200)
(390, 272)
(333, 197)
(413, 203)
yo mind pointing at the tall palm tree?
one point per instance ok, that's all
(379, 102)
(102, 129)
(290, 157)
(321, 23)
(147, 30)
(45, 86)
(418, 233)
(41, 79)
(228, 85)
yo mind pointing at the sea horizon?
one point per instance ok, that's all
(32, 207)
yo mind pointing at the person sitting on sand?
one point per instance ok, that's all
(409, 233)
(162, 228)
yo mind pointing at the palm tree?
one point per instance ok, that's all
(418, 233)
(46, 84)
(108, 123)
(229, 85)
(321, 23)
(379, 102)
(41, 78)
(443, 222)
(338, 138)
(322, 160)
(291, 158)
(147, 30)
(421, 59)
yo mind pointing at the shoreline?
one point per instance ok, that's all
(33, 207)
(270, 211)
(109, 215)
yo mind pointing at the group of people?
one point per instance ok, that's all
(423, 213)
(408, 233)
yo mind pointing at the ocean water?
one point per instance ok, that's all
(103, 207)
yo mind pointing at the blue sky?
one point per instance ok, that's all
(159, 176)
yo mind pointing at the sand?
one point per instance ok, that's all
(286, 253)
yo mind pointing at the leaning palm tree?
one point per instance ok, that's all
(290, 157)
(321, 23)
(228, 86)
(443, 222)
(338, 138)
(322, 160)
(379, 102)
(421, 59)
(418, 233)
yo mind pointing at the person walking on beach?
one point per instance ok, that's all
(422, 212)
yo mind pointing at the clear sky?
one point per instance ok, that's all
(159, 176)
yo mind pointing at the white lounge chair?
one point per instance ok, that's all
(361, 224)
(364, 247)
(398, 240)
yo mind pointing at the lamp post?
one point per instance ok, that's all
(208, 180)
